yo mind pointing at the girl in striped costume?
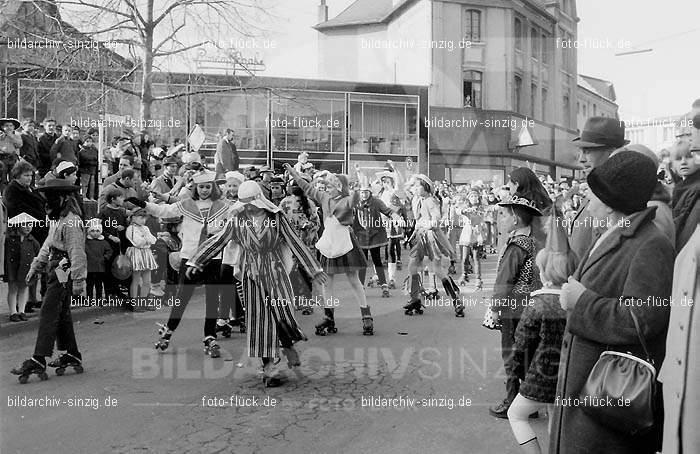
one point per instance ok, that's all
(267, 244)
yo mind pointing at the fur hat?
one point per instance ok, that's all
(625, 182)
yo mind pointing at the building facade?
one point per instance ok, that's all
(498, 71)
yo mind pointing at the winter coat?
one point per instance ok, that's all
(30, 149)
(88, 160)
(20, 199)
(66, 148)
(369, 225)
(664, 217)
(634, 264)
(46, 141)
(686, 208)
(98, 252)
(681, 371)
(19, 253)
(515, 278)
(538, 344)
(226, 157)
(581, 234)
(10, 144)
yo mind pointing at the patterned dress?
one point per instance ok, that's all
(139, 252)
(430, 243)
(266, 250)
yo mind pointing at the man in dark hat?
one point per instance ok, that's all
(599, 138)
(10, 144)
(63, 257)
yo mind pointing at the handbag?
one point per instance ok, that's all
(121, 267)
(620, 390)
(492, 319)
(335, 240)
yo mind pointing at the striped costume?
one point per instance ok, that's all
(266, 249)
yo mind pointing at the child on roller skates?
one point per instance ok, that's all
(20, 250)
(472, 239)
(63, 255)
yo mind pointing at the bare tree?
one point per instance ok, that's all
(157, 35)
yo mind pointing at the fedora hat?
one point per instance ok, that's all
(601, 132)
(9, 120)
(59, 186)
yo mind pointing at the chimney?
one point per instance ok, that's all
(322, 12)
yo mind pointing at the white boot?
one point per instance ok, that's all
(392, 275)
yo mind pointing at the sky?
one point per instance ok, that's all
(659, 83)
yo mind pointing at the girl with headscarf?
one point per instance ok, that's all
(338, 202)
(267, 243)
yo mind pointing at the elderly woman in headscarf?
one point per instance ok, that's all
(267, 243)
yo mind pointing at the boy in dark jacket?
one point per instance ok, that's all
(114, 220)
(88, 158)
(515, 280)
(98, 252)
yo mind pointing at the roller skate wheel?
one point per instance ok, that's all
(43, 376)
(320, 332)
(60, 371)
(408, 312)
(333, 330)
(368, 333)
(226, 334)
(78, 369)
(23, 379)
(419, 311)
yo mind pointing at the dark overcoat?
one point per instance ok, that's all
(632, 269)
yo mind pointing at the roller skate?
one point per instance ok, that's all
(67, 360)
(431, 295)
(414, 306)
(292, 357)
(327, 325)
(29, 367)
(464, 280)
(479, 285)
(385, 291)
(367, 321)
(374, 281)
(392, 284)
(211, 347)
(165, 335)
(451, 270)
(225, 329)
(453, 291)
(270, 376)
(398, 265)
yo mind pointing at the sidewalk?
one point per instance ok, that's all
(79, 313)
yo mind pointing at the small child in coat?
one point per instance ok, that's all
(139, 252)
(98, 252)
(20, 250)
(538, 338)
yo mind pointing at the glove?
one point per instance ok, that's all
(138, 202)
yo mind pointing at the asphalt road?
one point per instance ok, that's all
(441, 372)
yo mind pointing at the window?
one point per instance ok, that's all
(578, 107)
(545, 49)
(544, 104)
(595, 110)
(533, 99)
(567, 112)
(517, 93)
(471, 86)
(518, 34)
(585, 110)
(534, 43)
(472, 25)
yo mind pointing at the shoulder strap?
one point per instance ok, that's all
(639, 334)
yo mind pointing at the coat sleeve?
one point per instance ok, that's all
(74, 238)
(42, 258)
(508, 271)
(163, 210)
(215, 244)
(608, 320)
(311, 191)
(299, 249)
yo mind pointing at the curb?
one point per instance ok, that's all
(8, 328)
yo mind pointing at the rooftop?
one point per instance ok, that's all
(365, 12)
